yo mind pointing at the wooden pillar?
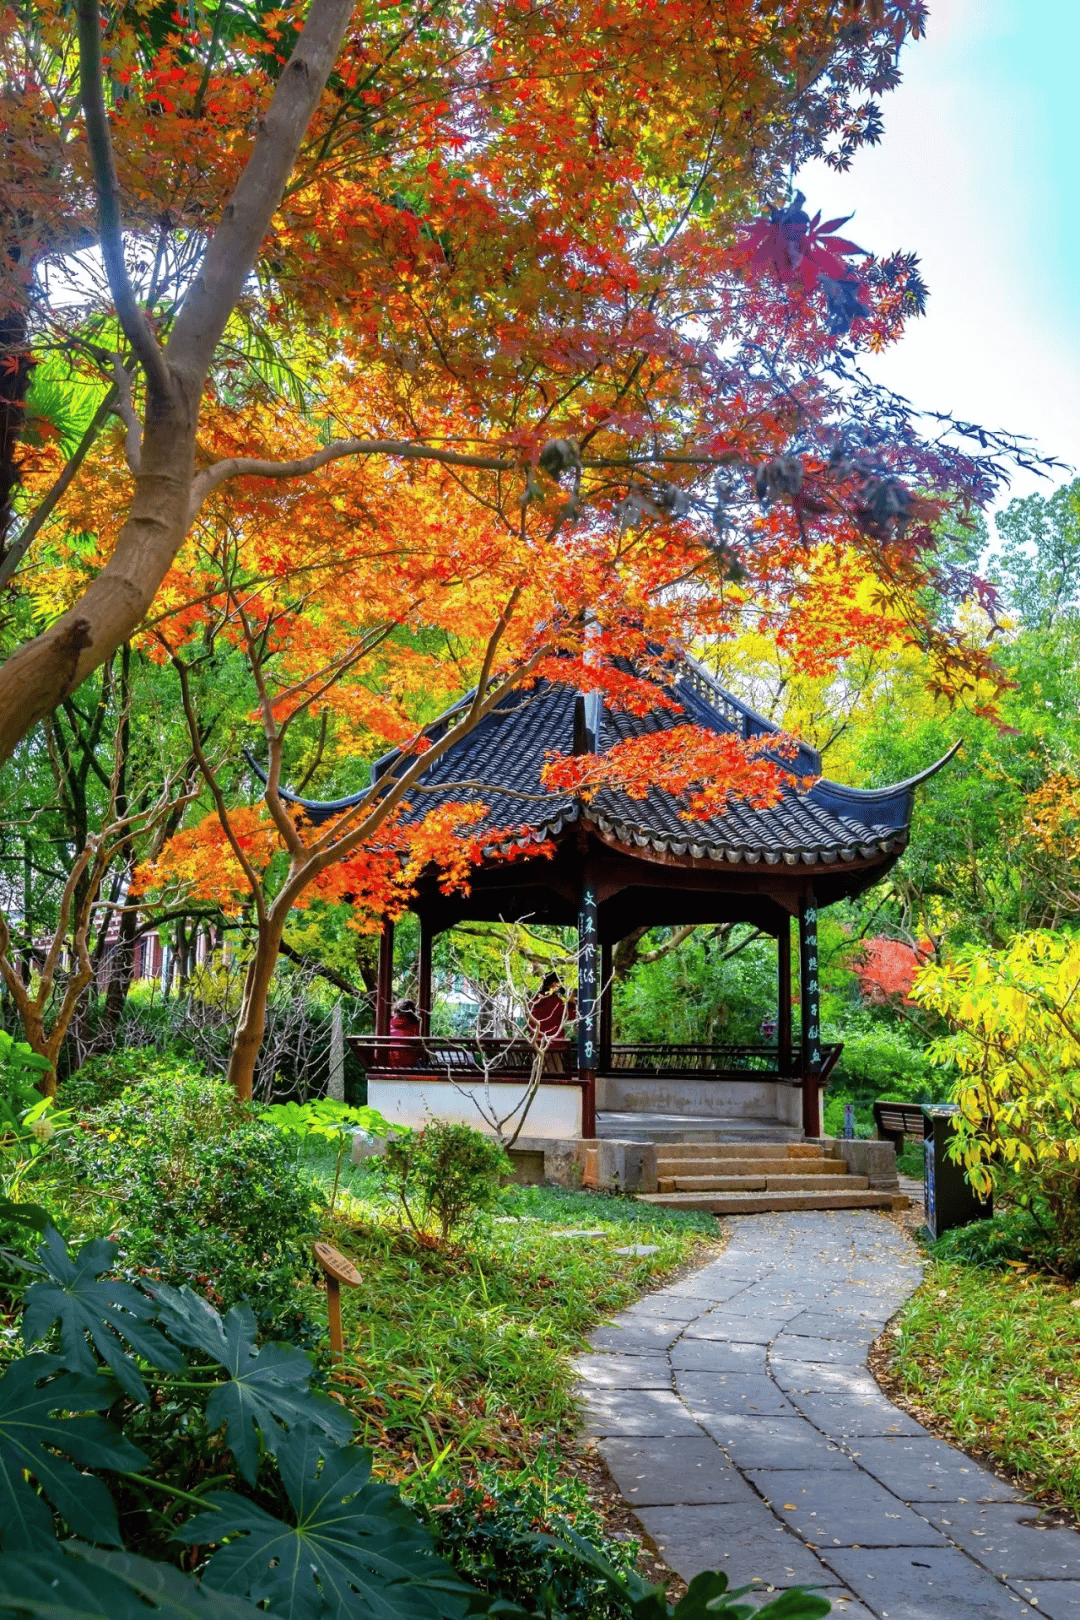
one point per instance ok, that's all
(606, 1020)
(810, 1056)
(783, 997)
(384, 994)
(423, 978)
(588, 1008)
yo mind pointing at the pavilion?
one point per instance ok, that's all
(618, 863)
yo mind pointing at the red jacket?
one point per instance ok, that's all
(549, 1015)
(403, 1053)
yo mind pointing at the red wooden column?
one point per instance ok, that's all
(783, 997)
(384, 994)
(423, 978)
(606, 1018)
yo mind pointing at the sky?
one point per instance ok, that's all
(977, 173)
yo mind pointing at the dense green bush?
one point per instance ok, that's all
(202, 1192)
(1014, 1236)
(483, 1527)
(449, 1173)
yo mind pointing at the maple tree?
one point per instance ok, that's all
(443, 355)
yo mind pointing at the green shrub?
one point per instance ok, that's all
(484, 1527)
(449, 1173)
(204, 1194)
(1012, 1237)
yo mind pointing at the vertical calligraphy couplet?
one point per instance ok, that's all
(811, 1021)
(588, 967)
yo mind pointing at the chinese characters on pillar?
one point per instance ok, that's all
(588, 960)
(811, 996)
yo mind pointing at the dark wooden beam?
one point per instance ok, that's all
(810, 1056)
(588, 1006)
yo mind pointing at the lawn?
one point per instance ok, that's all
(467, 1352)
(990, 1358)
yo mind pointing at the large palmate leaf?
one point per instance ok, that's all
(88, 1583)
(351, 1549)
(103, 1313)
(31, 1438)
(268, 1387)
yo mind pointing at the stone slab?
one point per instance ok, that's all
(713, 1392)
(727, 1326)
(1006, 1538)
(643, 1336)
(924, 1583)
(817, 1324)
(846, 1417)
(844, 1508)
(668, 1307)
(846, 1604)
(624, 1372)
(717, 1355)
(791, 1346)
(925, 1469)
(747, 1542)
(675, 1472)
(1057, 1600)
(821, 1378)
(649, 1412)
(772, 1442)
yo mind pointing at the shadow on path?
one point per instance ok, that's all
(737, 1416)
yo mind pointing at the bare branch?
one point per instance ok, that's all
(125, 410)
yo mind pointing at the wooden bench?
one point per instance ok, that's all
(894, 1121)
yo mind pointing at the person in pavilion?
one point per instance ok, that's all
(551, 1012)
(404, 1031)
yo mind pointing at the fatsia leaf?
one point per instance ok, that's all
(31, 1438)
(105, 1313)
(32, 1215)
(87, 1583)
(267, 1386)
(351, 1547)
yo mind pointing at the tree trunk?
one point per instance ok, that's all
(37, 678)
(252, 1021)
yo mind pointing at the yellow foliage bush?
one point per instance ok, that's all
(1014, 1021)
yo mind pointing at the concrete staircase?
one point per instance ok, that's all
(749, 1178)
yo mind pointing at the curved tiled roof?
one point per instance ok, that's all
(501, 761)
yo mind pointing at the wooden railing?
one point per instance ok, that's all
(513, 1059)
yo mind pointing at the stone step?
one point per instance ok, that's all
(676, 1165)
(740, 1150)
(753, 1183)
(762, 1203)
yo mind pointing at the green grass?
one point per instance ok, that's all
(993, 1356)
(470, 1348)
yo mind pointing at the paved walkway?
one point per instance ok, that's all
(736, 1414)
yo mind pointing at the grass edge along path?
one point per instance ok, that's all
(465, 1355)
(989, 1359)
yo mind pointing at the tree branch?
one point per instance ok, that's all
(91, 90)
(125, 410)
(257, 195)
(401, 449)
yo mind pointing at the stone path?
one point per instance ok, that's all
(737, 1416)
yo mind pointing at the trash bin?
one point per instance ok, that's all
(950, 1198)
